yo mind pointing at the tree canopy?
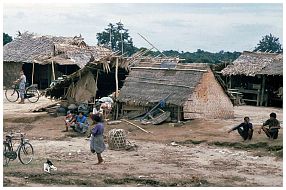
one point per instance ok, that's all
(269, 43)
(111, 36)
(117, 37)
(200, 56)
(6, 38)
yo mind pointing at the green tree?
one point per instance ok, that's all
(269, 43)
(117, 37)
(6, 38)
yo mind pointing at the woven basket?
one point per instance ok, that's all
(117, 139)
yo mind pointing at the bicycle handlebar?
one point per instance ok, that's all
(17, 133)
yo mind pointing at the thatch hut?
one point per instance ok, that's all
(45, 58)
(99, 78)
(258, 76)
(96, 79)
(192, 88)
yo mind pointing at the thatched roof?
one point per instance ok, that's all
(29, 48)
(102, 65)
(149, 85)
(255, 63)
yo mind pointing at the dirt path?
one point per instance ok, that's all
(192, 160)
(162, 164)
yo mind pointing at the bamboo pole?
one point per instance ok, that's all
(262, 91)
(33, 73)
(151, 44)
(179, 114)
(136, 126)
(154, 68)
(96, 85)
(116, 92)
(116, 78)
(53, 69)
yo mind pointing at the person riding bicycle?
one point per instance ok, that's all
(22, 82)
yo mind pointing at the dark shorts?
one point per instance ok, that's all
(245, 134)
(272, 133)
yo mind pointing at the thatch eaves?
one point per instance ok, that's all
(29, 48)
(150, 85)
(255, 63)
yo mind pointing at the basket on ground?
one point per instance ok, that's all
(117, 139)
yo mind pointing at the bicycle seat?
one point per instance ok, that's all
(9, 136)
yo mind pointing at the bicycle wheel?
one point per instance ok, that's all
(11, 95)
(32, 94)
(6, 160)
(26, 153)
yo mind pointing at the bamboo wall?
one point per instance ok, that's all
(208, 101)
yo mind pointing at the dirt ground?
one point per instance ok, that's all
(196, 153)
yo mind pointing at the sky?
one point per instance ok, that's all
(181, 27)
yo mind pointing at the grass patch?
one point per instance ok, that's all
(240, 145)
(54, 179)
(279, 153)
(154, 183)
(148, 182)
(192, 142)
(276, 149)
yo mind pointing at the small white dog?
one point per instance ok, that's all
(48, 166)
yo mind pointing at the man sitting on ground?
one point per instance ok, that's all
(274, 126)
(81, 123)
(245, 129)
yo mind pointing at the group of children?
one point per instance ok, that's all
(245, 129)
(79, 123)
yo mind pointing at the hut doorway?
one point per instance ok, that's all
(43, 74)
(106, 81)
(273, 83)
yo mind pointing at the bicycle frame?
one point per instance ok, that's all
(31, 93)
(10, 145)
(15, 88)
(24, 148)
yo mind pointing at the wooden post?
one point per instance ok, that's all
(258, 98)
(179, 114)
(116, 91)
(262, 91)
(53, 70)
(33, 73)
(96, 83)
(116, 78)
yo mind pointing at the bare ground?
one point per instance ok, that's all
(203, 153)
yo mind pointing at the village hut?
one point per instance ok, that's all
(188, 91)
(46, 58)
(258, 76)
(96, 79)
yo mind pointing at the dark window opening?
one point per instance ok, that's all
(106, 81)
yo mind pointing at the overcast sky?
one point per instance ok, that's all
(182, 27)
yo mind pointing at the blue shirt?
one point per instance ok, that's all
(81, 120)
(98, 129)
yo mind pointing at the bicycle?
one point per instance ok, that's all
(24, 151)
(31, 93)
